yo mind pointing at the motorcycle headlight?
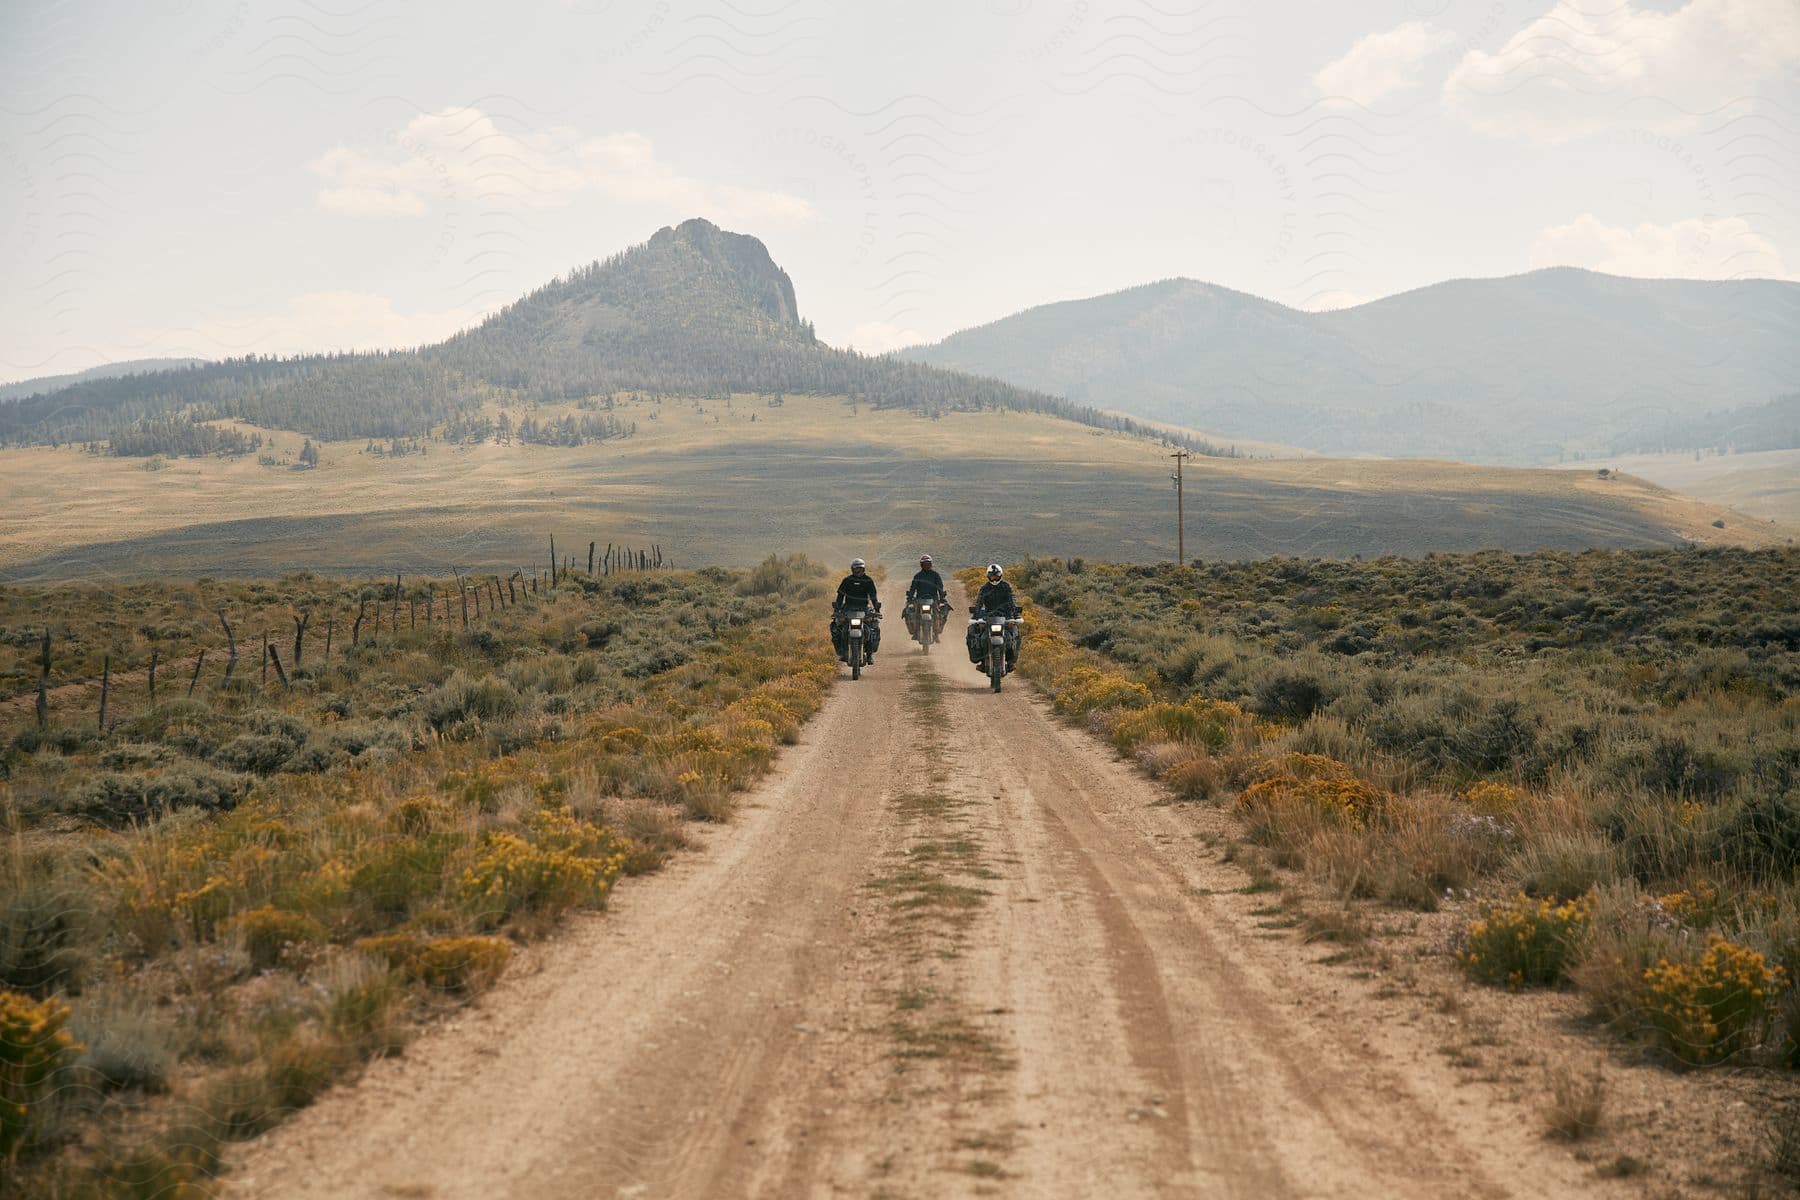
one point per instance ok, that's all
(997, 628)
(856, 620)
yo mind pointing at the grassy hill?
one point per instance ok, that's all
(717, 481)
(1521, 370)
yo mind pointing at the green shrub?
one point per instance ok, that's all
(128, 1043)
(463, 699)
(1564, 866)
(135, 756)
(243, 1103)
(44, 931)
(116, 799)
(261, 754)
(299, 1068)
(1761, 837)
(1290, 696)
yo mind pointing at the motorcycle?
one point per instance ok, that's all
(923, 616)
(862, 635)
(992, 633)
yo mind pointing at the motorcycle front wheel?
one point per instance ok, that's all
(856, 658)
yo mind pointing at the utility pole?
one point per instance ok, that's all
(1180, 510)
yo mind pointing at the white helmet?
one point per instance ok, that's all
(994, 571)
(857, 562)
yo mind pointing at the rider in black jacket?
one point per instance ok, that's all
(926, 585)
(995, 599)
(996, 595)
(856, 590)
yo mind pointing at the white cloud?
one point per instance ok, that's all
(461, 154)
(323, 322)
(1567, 74)
(1699, 248)
(878, 337)
(1382, 63)
(371, 201)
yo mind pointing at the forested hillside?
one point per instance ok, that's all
(1771, 426)
(51, 383)
(695, 311)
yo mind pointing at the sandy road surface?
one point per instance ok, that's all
(949, 948)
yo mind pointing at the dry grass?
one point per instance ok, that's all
(359, 511)
(1592, 757)
(504, 778)
(1574, 1100)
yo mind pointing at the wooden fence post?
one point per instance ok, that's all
(362, 607)
(199, 661)
(43, 696)
(463, 592)
(330, 624)
(553, 560)
(395, 613)
(590, 559)
(230, 649)
(279, 673)
(412, 613)
(105, 688)
(430, 604)
(153, 653)
(300, 624)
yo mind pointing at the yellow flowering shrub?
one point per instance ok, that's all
(1493, 799)
(397, 949)
(565, 863)
(783, 721)
(1198, 721)
(33, 1047)
(1710, 1009)
(1524, 941)
(1694, 906)
(1311, 782)
(463, 965)
(270, 934)
(1085, 688)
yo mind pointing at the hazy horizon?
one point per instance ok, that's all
(198, 179)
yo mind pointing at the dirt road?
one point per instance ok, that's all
(951, 947)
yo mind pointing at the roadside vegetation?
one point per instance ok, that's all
(217, 905)
(1593, 759)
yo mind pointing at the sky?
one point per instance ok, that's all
(216, 177)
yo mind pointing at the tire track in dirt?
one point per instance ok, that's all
(949, 947)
